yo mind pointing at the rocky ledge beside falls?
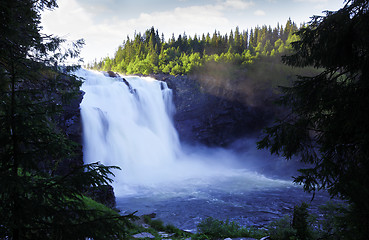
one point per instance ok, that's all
(202, 117)
(71, 123)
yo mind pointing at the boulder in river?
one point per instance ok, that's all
(111, 74)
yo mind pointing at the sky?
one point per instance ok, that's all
(105, 24)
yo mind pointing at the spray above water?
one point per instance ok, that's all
(128, 123)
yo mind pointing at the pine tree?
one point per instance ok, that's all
(245, 36)
(36, 200)
(237, 41)
(262, 41)
(328, 123)
(252, 38)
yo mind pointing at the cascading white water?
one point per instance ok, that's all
(129, 124)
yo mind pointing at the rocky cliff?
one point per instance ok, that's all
(71, 123)
(214, 120)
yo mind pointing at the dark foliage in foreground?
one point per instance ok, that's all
(35, 201)
(328, 123)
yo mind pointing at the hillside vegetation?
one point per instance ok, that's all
(149, 53)
(244, 65)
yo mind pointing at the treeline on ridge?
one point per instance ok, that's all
(149, 52)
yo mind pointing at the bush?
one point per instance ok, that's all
(282, 229)
(300, 222)
(158, 225)
(214, 228)
(335, 223)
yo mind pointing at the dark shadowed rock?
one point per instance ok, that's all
(103, 194)
(131, 90)
(71, 123)
(212, 120)
(111, 74)
(72, 119)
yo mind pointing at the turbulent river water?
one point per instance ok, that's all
(128, 123)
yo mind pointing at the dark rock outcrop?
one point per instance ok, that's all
(103, 194)
(204, 118)
(111, 74)
(71, 123)
(72, 119)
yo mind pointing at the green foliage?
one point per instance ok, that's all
(327, 126)
(335, 222)
(158, 225)
(300, 221)
(282, 229)
(212, 228)
(148, 53)
(332, 223)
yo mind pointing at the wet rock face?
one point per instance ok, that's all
(103, 194)
(72, 119)
(207, 119)
(70, 123)
(111, 74)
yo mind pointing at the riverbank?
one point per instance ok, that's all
(301, 224)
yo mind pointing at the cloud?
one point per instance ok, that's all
(194, 19)
(316, 4)
(73, 21)
(238, 4)
(259, 13)
(312, 1)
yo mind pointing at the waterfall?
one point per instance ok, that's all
(128, 123)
